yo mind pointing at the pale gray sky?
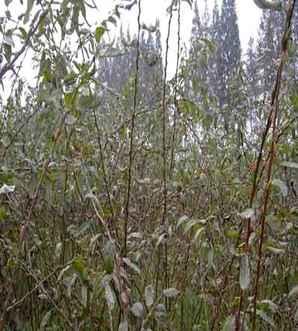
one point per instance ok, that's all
(248, 19)
(248, 15)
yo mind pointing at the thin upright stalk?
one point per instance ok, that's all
(132, 130)
(271, 125)
(267, 192)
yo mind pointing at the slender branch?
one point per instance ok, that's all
(275, 107)
(172, 162)
(132, 129)
(271, 124)
(164, 150)
(10, 66)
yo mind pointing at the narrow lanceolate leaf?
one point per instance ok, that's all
(99, 31)
(149, 295)
(137, 309)
(289, 164)
(275, 250)
(132, 265)
(170, 292)
(244, 272)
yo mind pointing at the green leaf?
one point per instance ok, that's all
(275, 250)
(244, 272)
(99, 32)
(23, 33)
(68, 100)
(7, 52)
(78, 265)
(108, 256)
(289, 164)
(108, 264)
(281, 185)
(3, 213)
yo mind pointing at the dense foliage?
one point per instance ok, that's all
(131, 200)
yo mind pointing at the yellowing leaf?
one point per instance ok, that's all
(99, 31)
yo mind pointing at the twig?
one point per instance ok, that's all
(132, 129)
(10, 66)
(275, 107)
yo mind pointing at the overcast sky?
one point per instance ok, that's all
(248, 15)
(248, 19)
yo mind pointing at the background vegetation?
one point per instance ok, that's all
(131, 200)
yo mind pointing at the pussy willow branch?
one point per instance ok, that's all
(271, 124)
(275, 107)
(132, 129)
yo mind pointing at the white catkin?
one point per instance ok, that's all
(266, 4)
